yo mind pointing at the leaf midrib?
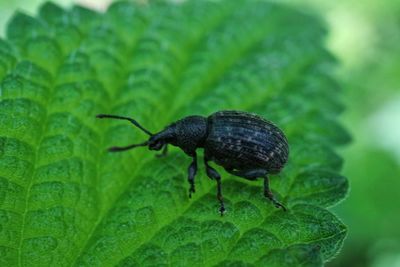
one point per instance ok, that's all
(34, 164)
(105, 210)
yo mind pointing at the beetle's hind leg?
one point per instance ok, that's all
(268, 194)
(213, 174)
(254, 174)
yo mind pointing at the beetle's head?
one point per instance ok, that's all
(155, 143)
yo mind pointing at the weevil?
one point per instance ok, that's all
(244, 144)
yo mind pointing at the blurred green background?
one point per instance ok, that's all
(365, 37)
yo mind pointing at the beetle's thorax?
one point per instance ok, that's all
(189, 133)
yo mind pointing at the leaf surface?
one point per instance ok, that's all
(65, 201)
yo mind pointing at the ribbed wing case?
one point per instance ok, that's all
(241, 141)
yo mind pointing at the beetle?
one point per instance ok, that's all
(244, 144)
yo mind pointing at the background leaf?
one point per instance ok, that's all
(65, 201)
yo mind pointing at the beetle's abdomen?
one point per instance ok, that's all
(241, 140)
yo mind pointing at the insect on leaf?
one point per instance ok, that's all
(65, 201)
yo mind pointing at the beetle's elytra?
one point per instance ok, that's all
(244, 144)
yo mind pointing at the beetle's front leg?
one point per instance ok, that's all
(163, 152)
(192, 170)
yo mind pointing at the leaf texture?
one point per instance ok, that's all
(65, 201)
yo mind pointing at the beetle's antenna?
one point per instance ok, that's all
(101, 116)
(123, 148)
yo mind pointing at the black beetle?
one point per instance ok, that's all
(244, 144)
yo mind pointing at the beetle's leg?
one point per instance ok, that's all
(254, 174)
(192, 173)
(164, 152)
(268, 194)
(213, 174)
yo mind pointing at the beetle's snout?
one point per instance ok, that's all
(155, 144)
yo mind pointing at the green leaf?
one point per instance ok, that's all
(65, 201)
